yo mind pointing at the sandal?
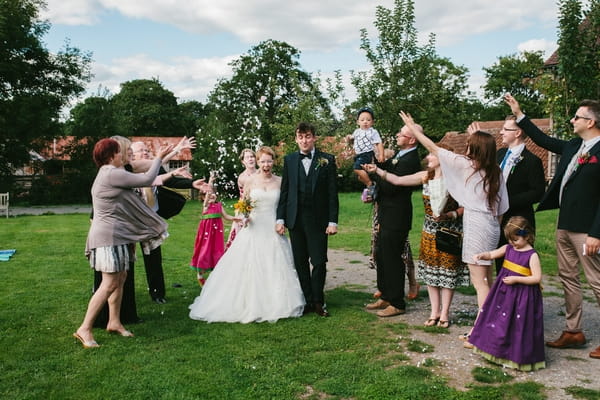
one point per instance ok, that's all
(412, 296)
(464, 337)
(431, 321)
(443, 324)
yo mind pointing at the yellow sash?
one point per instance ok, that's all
(516, 268)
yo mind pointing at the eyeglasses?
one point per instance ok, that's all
(576, 117)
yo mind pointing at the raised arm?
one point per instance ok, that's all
(418, 133)
(415, 179)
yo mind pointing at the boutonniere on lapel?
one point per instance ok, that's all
(321, 162)
(515, 162)
(586, 159)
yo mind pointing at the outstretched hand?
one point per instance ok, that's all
(513, 104)
(473, 127)
(164, 150)
(186, 143)
(182, 172)
(199, 184)
(369, 167)
(407, 119)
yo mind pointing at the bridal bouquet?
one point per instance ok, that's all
(244, 206)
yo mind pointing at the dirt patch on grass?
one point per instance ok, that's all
(564, 368)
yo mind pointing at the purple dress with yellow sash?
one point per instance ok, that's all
(510, 327)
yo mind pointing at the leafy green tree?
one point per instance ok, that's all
(192, 114)
(89, 121)
(266, 89)
(267, 95)
(144, 107)
(515, 74)
(406, 76)
(577, 74)
(34, 83)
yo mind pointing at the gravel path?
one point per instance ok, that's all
(564, 368)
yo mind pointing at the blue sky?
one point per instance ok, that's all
(187, 44)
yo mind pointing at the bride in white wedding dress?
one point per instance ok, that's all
(255, 280)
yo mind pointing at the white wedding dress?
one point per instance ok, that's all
(255, 280)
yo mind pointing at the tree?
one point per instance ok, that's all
(144, 107)
(34, 83)
(193, 113)
(267, 95)
(409, 77)
(265, 90)
(577, 73)
(515, 74)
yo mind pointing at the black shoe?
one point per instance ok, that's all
(159, 300)
(320, 310)
(308, 309)
(177, 285)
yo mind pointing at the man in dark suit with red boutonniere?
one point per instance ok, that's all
(524, 176)
(575, 190)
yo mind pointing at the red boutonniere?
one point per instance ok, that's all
(586, 159)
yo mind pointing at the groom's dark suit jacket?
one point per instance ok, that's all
(580, 204)
(525, 185)
(324, 198)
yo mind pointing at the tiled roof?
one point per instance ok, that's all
(458, 140)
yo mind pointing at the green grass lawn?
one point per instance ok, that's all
(352, 355)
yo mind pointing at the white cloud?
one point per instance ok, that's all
(454, 20)
(72, 12)
(311, 24)
(188, 78)
(546, 46)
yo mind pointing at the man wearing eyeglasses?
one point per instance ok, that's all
(576, 192)
(524, 176)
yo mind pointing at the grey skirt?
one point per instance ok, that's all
(111, 259)
(481, 232)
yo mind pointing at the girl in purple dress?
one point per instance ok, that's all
(510, 328)
(210, 242)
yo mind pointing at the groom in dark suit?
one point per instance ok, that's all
(308, 207)
(576, 192)
(523, 173)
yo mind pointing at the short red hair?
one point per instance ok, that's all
(105, 150)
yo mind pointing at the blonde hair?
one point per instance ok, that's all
(124, 145)
(246, 151)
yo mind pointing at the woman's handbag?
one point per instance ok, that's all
(170, 203)
(448, 241)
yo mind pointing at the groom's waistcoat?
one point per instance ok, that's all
(304, 187)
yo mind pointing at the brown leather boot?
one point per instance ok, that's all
(568, 340)
(595, 353)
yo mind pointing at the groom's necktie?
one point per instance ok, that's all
(505, 159)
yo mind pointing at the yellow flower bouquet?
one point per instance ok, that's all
(244, 206)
